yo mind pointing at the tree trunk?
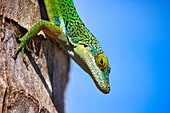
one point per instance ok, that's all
(40, 86)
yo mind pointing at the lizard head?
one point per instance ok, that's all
(96, 65)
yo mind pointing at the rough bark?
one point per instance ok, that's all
(40, 86)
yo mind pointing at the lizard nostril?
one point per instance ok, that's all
(85, 45)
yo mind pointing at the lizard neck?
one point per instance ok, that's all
(72, 21)
(63, 13)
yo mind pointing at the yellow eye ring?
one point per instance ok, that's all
(102, 61)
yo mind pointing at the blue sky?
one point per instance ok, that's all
(135, 35)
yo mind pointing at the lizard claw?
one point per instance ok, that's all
(16, 51)
(22, 47)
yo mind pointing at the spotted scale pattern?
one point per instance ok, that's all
(76, 31)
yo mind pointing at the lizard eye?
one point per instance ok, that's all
(101, 61)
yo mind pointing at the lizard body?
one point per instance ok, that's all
(78, 41)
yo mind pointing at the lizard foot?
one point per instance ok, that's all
(22, 47)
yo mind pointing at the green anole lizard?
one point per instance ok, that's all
(66, 27)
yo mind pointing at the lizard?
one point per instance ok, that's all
(66, 27)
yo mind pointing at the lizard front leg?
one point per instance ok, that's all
(49, 28)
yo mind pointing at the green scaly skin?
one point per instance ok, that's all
(66, 27)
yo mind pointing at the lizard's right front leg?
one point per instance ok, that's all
(50, 29)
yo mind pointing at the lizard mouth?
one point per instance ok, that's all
(105, 91)
(102, 86)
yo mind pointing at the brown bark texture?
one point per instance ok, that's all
(40, 86)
